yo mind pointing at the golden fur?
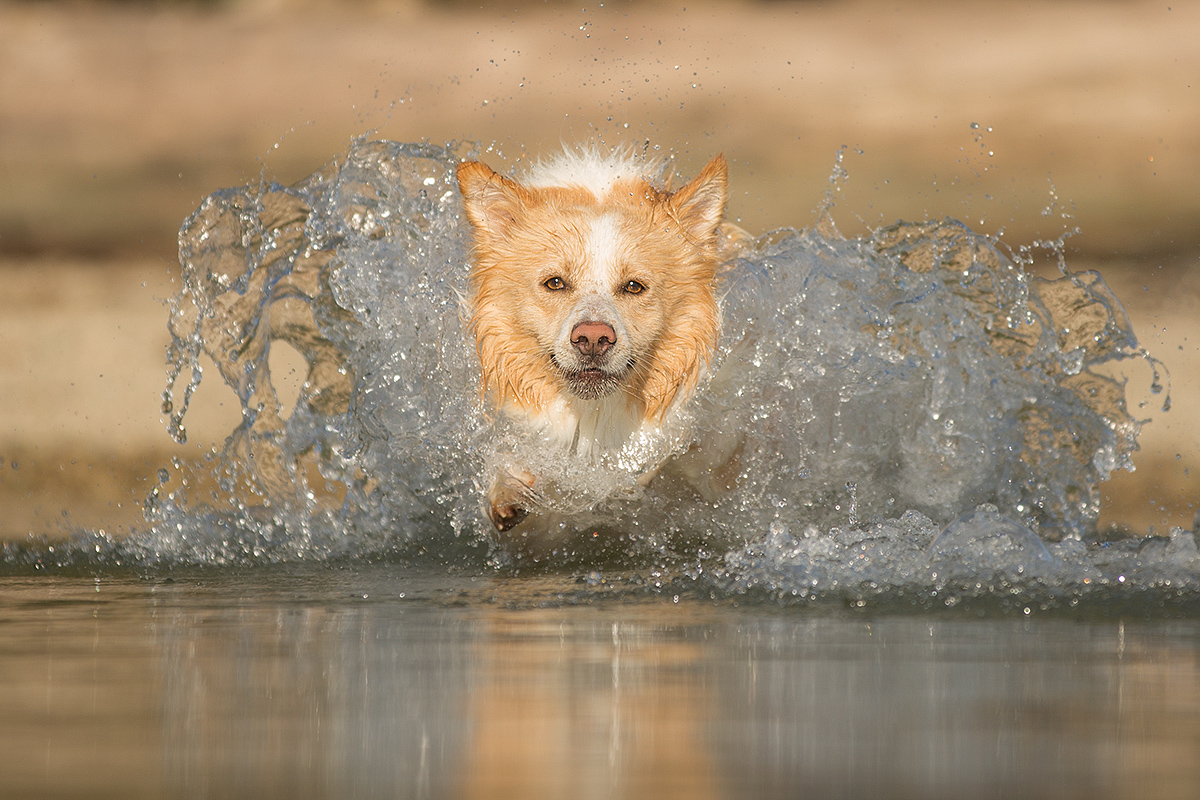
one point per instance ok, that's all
(601, 243)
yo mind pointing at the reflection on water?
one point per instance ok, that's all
(390, 682)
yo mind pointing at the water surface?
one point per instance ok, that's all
(902, 592)
(390, 681)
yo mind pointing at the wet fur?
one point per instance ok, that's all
(628, 253)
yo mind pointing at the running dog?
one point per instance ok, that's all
(593, 304)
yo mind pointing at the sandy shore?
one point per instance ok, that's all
(116, 121)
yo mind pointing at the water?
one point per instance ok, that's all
(917, 419)
(898, 589)
(383, 681)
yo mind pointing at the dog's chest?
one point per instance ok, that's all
(590, 431)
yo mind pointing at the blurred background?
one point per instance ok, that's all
(1023, 119)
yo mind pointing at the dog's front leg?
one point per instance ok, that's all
(510, 496)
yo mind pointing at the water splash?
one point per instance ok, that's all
(910, 411)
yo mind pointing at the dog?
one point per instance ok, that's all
(593, 303)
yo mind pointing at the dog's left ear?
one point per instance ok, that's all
(492, 201)
(700, 205)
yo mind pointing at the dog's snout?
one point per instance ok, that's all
(593, 339)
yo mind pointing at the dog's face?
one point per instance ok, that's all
(592, 297)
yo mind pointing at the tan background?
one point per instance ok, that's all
(117, 119)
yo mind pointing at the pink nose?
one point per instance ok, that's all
(592, 339)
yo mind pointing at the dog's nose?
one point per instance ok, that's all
(592, 339)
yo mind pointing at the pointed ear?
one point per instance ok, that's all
(700, 205)
(492, 201)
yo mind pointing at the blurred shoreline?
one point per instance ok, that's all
(116, 120)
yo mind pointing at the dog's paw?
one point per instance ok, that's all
(509, 498)
(506, 516)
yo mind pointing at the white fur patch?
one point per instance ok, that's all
(603, 247)
(588, 430)
(592, 170)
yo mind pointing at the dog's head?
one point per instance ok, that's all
(590, 281)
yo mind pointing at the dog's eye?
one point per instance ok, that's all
(633, 287)
(555, 284)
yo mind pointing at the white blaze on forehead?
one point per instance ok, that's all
(596, 282)
(603, 250)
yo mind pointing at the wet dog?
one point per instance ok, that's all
(593, 304)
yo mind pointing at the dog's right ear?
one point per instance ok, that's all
(492, 201)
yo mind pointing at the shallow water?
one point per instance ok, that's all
(901, 592)
(914, 417)
(399, 682)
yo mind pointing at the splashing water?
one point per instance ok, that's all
(913, 415)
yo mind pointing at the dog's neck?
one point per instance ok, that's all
(587, 429)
